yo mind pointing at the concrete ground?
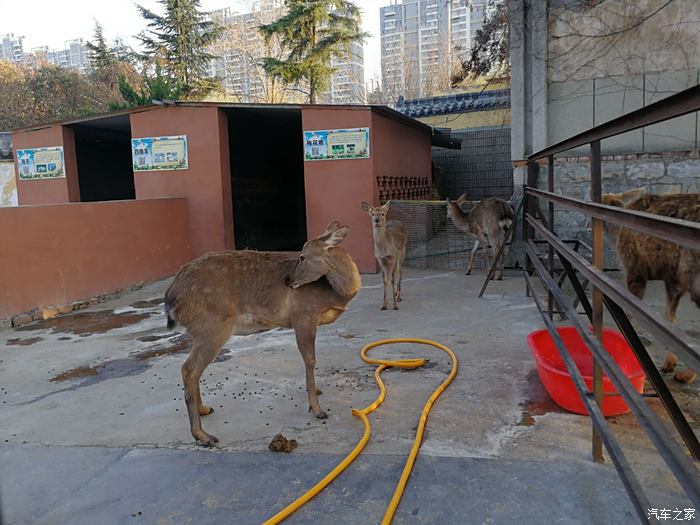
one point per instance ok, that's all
(93, 426)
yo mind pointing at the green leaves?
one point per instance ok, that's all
(179, 39)
(312, 33)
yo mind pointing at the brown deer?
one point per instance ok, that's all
(645, 257)
(241, 292)
(389, 248)
(488, 221)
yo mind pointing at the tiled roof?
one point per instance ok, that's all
(454, 103)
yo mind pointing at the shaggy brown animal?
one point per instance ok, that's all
(647, 258)
(488, 221)
(241, 292)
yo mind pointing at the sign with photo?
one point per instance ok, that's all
(159, 153)
(335, 144)
(40, 163)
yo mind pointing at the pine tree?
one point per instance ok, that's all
(178, 40)
(99, 54)
(313, 32)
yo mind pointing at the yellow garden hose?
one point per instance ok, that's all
(362, 414)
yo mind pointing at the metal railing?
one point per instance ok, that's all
(610, 294)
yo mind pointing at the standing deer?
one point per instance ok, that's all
(389, 248)
(240, 292)
(645, 257)
(488, 221)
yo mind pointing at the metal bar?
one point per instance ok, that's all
(640, 352)
(685, 472)
(654, 377)
(667, 334)
(510, 232)
(629, 480)
(686, 233)
(550, 248)
(674, 106)
(597, 312)
(533, 171)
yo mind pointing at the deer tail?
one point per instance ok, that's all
(169, 307)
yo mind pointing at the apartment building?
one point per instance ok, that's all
(11, 48)
(421, 42)
(239, 53)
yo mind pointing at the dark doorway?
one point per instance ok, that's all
(103, 152)
(267, 178)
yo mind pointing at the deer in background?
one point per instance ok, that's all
(645, 257)
(389, 248)
(487, 221)
(242, 292)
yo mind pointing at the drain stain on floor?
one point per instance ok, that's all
(86, 323)
(18, 341)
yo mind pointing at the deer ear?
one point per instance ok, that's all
(366, 207)
(461, 199)
(332, 226)
(386, 205)
(334, 238)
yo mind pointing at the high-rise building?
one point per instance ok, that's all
(74, 55)
(239, 53)
(11, 48)
(421, 41)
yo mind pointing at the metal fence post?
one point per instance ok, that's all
(596, 194)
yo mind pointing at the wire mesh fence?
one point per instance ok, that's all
(481, 169)
(433, 240)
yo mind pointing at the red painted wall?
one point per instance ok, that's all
(335, 188)
(205, 185)
(403, 151)
(61, 253)
(48, 191)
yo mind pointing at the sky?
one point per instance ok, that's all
(53, 22)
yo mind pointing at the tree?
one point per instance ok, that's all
(179, 40)
(312, 32)
(99, 54)
(15, 110)
(490, 51)
(156, 86)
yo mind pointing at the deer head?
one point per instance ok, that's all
(314, 260)
(378, 214)
(458, 204)
(619, 200)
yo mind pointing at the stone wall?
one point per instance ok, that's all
(677, 172)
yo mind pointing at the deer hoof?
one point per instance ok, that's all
(468, 272)
(205, 411)
(398, 300)
(207, 440)
(318, 392)
(685, 377)
(499, 278)
(321, 415)
(383, 308)
(396, 307)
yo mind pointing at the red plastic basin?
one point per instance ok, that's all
(557, 381)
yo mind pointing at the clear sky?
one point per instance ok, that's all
(53, 22)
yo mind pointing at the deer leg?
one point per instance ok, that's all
(306, 341)
(636, 284)
(485, 246)
(384, 264)
(400, 263)
(394, 277)
(498, 270)
(205, 346)
(475, 247)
